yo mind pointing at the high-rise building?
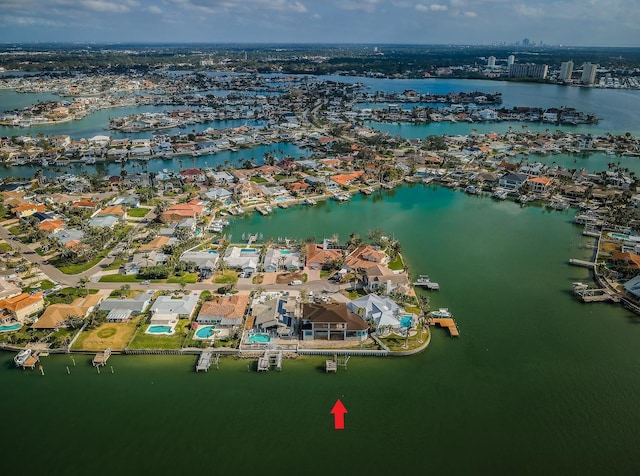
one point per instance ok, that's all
(589, 73)
(566, 70)
(510, 60)
(491, 62)
(528, 70)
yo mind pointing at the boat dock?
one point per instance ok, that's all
(583, 263)
(331, 365)
(424, 281)
(447, 322)
(269, 360)
(31, 361)
(100, 360)
(587, 294)
(206, 360)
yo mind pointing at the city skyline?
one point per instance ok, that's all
(570, 22)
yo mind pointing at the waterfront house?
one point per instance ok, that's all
(281, 259)
(203, 260)
(55, 315)
(20, 307)
(228, 311)
(632, 288)
(380, 278)
(168, 309)
(121, 309)
(319, 256)
(380, 310)
(540, 185)
(512, 181)
(332, 321)
(365, 256)
(246, 259)
(193, 175)
(180, 211)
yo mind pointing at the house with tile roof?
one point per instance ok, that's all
(20, 307)
(226, 312)
(55, 315)
(319, 256)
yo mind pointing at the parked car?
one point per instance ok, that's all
(146, 283)
(295, 282)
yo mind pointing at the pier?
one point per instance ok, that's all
(100, 360)
(269, 360)
(583, 263)
(424, 281)
(447, 322)
(587, 294)
(206, 360)
(31, 361)
(331, 365)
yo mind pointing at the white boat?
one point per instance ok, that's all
(443, 312)
(21, 357)
(309, 201)
(500, 194)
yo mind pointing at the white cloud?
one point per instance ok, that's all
(470, 14)
(438, 8)
(422, 8)
(156, 10)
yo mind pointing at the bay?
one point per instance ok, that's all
(537, 382)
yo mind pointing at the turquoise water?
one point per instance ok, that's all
(212, 252)
(204, 332)
(619, 236)
(248, 250)
(406, 321)
(259, 339)
(10, 327)
(160, 330)
(285, 252)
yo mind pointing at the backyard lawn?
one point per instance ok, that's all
(138, 212)
(109, 334)
(149, 341)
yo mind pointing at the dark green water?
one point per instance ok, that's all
(536, 384)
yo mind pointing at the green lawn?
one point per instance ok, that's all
(187, 278)
(5, 247)
(138, 212)
(142, 340)
(14, 230)
(120, 278)
(396, 342)
(397, 264)
(79, 268)
(258, 179)
(229, 277)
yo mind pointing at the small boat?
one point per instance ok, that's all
(21, 357)
(500, 194)
(443, 312)
(471, 190)
(309, 201)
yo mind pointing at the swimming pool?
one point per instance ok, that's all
(248, 250)
(406, 321)
(282, 199)
(212, 252)
(285, 252)
(259, 339)
(10, 327)
(205, 332)
(622, 236)
(160, 330)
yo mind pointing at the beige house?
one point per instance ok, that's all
(56, 314)
(20, 307)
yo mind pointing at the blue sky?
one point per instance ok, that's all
(566, 22)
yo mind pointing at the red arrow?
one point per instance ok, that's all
(338, 412)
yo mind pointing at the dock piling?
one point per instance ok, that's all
(68, 371)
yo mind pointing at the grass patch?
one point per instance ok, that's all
(110, 334)
(138, 212)
(115, 265)
(149, 341)
(397, 264)
(258, 180)
(229, 277)
(187, 278)
(120, 278)
(397, 343)
(5, 247)
(15, 230)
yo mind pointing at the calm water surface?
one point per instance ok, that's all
(538, 383)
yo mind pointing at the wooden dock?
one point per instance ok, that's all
(447, 322)
(338, 361)
(206, 360)
(331, 366)
(427, 283)
(100, 360)
(31, 362)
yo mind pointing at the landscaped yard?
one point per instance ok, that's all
(396, 264)
(149, 341)
(186, 278)
(396, 342)
(120, 278)
(138, 212)
(110, 334)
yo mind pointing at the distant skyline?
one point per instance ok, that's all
(553, 22)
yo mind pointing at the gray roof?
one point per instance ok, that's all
(168, 305)
(135, 304)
